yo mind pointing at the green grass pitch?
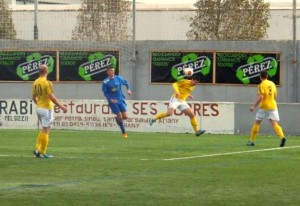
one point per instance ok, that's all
(159, 169)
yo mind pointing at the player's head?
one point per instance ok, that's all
(194, 81)
(43, 69)
(186, 77)
(189, 77)
(263, 75)
(110, 70)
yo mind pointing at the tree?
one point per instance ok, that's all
(229, 20)
(7, 30)
(102, 20)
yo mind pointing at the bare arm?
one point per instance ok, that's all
(258, 100)
(56, 102)
(34, 98)
(191, 96)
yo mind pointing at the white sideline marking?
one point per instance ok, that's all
(2, 155)
(58, 157)
(168, 159)
(229, 153)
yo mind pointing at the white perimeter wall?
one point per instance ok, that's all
(214, 117)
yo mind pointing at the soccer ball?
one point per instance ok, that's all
(188, 72)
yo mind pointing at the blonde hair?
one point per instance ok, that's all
(43, 69)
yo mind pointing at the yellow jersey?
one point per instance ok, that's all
(41, 88)
(184, 87)
(269, 93)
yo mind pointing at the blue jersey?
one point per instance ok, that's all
(112, 88)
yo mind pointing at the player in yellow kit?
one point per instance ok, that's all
(44, 98)
(266, 99)
(182, 91)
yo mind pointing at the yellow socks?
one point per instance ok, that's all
(44, 143)
(39, 141)
(160, 116)
(254, 131)
(194, 124)
(278, 130)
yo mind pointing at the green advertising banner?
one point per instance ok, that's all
(244, 68)
(167, 66)
(86, 65)
(23, 65)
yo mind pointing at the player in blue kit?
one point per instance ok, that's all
(112, 90)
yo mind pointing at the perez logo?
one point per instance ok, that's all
(200, 64)
(254, 66)
(97, 63)
(31, 66)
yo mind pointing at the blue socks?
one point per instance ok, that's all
(121, 125)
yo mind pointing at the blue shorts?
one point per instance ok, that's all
(118, 107)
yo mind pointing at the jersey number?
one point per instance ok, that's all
(38, 89)
(270, 90)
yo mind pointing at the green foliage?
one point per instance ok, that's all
(7, 30)
(103, 20)
(229, 20)
(100, 168)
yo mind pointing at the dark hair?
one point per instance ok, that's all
(110, 67)
(264, 74)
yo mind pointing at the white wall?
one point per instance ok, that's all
(58, 24)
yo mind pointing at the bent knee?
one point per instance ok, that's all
(124, 116)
